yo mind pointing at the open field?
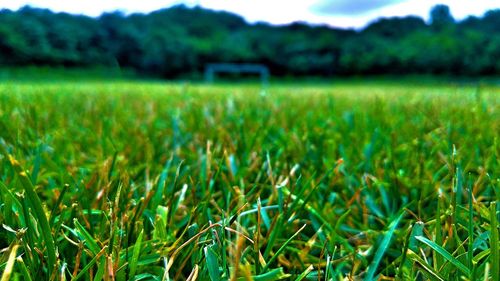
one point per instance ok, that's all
(152, 181)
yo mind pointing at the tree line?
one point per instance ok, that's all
(179, 41)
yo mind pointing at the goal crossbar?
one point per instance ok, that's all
(213, 68)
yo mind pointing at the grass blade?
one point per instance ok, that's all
(305, 273)
(438, 260)
(275, 256)
(383, 248)
(135, 255)
(444, 253)
(212, 264)
(86, 237)
(470, 229)
(417, 230)
(272, 275)
(10, 264)
(39, 214)
(194, 273)
(426, 269)
(494, 257)
(24, 270)
(89, 265)
(16, 204)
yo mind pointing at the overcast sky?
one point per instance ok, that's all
(340, 13)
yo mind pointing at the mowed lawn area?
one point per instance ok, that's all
(157, 181)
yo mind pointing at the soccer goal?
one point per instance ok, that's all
(212, 69)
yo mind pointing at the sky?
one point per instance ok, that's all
(338, 13)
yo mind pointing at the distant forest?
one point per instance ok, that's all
(179, 41)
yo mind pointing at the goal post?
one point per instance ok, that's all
(212, 69)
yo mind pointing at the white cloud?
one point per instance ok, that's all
(349, 7)
(275, 11)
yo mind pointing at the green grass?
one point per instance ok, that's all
(151, 181)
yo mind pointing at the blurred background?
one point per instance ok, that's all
(177, 39)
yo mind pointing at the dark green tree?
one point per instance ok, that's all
(441, 16)
(180, 41)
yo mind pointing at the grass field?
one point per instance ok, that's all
(151, 181)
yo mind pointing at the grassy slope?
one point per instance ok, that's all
(170, 181)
